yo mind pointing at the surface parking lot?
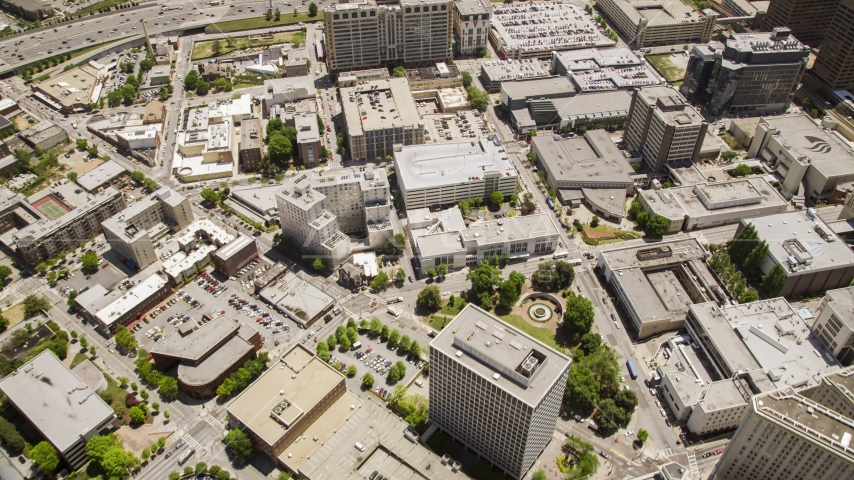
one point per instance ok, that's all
(379, 370)
(454, 128)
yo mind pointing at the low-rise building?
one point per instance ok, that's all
(295, 64)
(294, 296)
(448, 173)
(712, 204)
(379, 115)
(813, 256)
(659, 23)
(755, 72)
(804, 154)
(657, 284)
(431, 78)
(499, 72)
(251, 144)
(446, 240)
(535, 31)
(44, 135)
(258, 198)
(104, 175)
(111, 310)
(138, 139)
(308, 139)
(234, 255)
(72, 91)
(359, 270)
(355, 77)
(206, 146)
(160, 75)
(16, 211)
(183, 265)
(59, 405)
(47, 238)
(132, 232)
(591, 164)
(207, 354)
(287, 90)
(834, 323)
(154, 114)
(600, 69)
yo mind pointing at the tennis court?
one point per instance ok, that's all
(51, 206)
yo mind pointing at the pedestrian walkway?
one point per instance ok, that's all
(692, 464)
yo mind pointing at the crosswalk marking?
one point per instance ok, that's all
(191, 442)
(692, 463)
(214, 422)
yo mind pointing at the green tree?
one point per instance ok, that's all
(210, 196)
(643, 435)
(657, 225)
(539, 475)
(404, 343)
(351, 371)
(609, 416)
(396, 244)
(431, 273)
(496, 198)
(484, 278)
(393, 338)
(590, 342)
(132, 80)
(323, 351)
(775, 280)
(168, 387)
(279, 148)
(126, 340)
(128, 93)
(10, 437)
(429, 298)
(415, 349)
(385, 333)
(277, 15)
(318, 264)
(223, 84)
(34, 304)
(137, 415)
(202, 87)
(312, 10)
(508, 294)
(442, 270)
(367, 381)
(578, 316)
(136, 176)
(753, 263)
(750, 295)
(269, 15)
(71, 176)
(174, 476)
(485, 300)
(397, 371)
(380, 281)
(114, 98)
(466, 79)
(400, 275)
(729, 155)
(398, 71)
(45, 456)
(478, 98)
(89, 260)
(238, 444)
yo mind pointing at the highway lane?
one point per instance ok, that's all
(122, 24)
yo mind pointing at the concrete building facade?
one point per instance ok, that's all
(234, 255)
(471, 25)
(664, 127)
(251, 144)
(809, 20)
(658, 23)
(366, 35)
(834, 323)
(834, 65)
(756, 72)
(495, 389)
(111, 310)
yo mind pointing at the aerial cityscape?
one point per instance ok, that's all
(427, 239)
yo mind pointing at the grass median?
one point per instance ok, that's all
(258, 22)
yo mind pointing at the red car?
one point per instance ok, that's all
(578, 287)
(328, 128)
(718, 451)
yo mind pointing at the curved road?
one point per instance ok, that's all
(125, 24)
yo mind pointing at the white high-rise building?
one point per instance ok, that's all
(495, 389)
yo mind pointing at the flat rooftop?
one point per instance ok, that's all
(588, 159)
(379, 105)
(827, 152)
(131, 299)
(45, 227)
(177, 264)
(511, 229)
(251, 133)
(55, 400)
(546, 27)
(423, 166)
(212, 366)
(218, 234)
(198, 344)
(769, 335)
(598, 69)
(260, 197)
(235, 246)
(588, 108)
(808, 419)
(509, 70)
(298, 296)
(537, 87)
(796, 234)
(656, 12)
(672, 107)
(842, 301)
(391, 449)
(73, 86)
(521, 366)
(627, 257)
(101, 175)
(300, 378)
(676, 202)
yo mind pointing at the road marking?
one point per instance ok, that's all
(615, 452)
(692, 463)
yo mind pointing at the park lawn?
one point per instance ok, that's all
(205, 49)
(452, 310)
(438, 322)
(78, 359)
(662, 64)
(97, 6)
(15, 314)
(258, 22)
(542, 334)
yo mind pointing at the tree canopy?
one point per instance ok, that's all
(89, 261)
(238, 444)
(429, 298)
(553, 275)
(45, 456)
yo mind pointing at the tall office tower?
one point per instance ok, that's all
(663, 127)
(471, 25)
(365, 35)
(788, 434)
(755, 72)
(808, 19)
(834, 65)
(495, 389)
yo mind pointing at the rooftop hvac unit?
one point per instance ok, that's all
(529, 365)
